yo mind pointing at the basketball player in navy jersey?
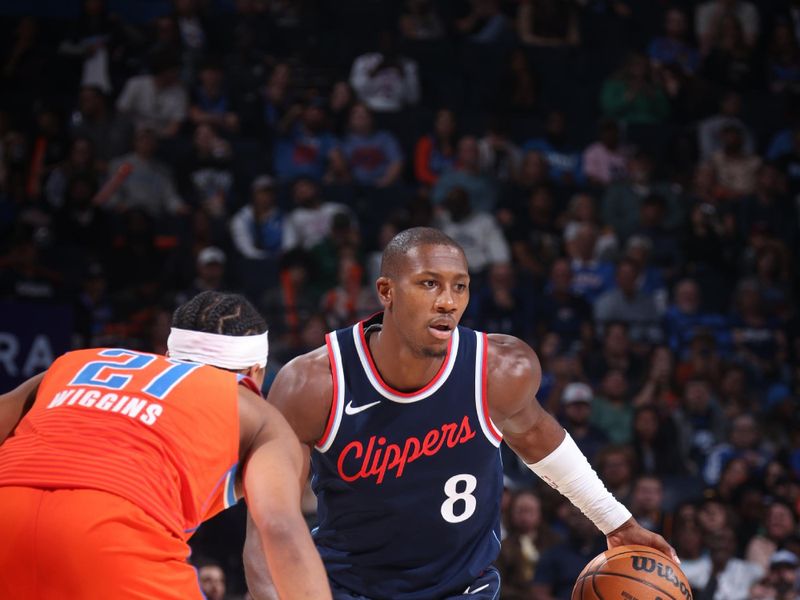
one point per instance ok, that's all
(403, 415)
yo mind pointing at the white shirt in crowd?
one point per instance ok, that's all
(307, 227)
(150, 106)
(734, 582)
(481, 238)
(387, 89)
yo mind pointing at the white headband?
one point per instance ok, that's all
(235, 352)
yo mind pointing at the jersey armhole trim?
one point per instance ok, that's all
(488, 427)
(337, 401)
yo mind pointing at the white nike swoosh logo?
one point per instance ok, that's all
(354, 410)
(476, 590)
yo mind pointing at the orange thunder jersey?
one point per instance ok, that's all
(161, 433)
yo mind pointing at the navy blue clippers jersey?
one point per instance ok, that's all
(408, 484)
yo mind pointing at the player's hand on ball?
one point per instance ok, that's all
(631, 533)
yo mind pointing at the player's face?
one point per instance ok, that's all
(428, 297)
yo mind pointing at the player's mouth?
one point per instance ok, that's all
(442, 328)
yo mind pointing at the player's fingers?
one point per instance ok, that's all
(661, 544)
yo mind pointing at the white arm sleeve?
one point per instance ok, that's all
(566, 470)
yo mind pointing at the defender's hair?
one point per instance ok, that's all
(406, 240)
(218, 312)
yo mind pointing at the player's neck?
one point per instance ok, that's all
(399, 366)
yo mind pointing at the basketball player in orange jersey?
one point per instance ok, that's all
(403, 415)
(112, 458)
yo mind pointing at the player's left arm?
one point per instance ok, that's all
(16, 403)
(514, 376)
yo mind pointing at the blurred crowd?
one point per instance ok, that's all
(623, 176)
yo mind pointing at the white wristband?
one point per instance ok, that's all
(566, 469)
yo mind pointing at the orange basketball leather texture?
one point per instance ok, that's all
(631, 573)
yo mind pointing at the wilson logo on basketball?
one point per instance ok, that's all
(648, 565)
(378, 458)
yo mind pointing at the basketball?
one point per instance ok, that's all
(631, 573)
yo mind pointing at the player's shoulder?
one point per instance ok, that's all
(303, 393)
(509, 356)
(513, 369)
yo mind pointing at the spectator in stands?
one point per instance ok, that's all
(653, 443)
(534, 235)
(278, 100)
(374, 158)
(744, 442)
(631, 96)
(783, 59)
(257, 228)
(769, 206)
(48, 148)
(340, 102)
(647, 502)
(350, 300)
(212, 104)
(700, 422)
(110, 132)
(548, 23)
(719, 574)
(628, 303)
(789, 165)
(659, 387)
(518, 88)
(158, 100)
(783, 574)
(730, 61)
(210, 274)
(655, 244)
(563, 159)
(308, 148)
(606, 160)
(80, 224)
(499, 156)
(477, 232)
(435, 152)
(674, 47)
(560, 565)
(528, 537)
(582, 208)
(779, 525)
(735, 168)
(207, 176)
(79, 163)
(484, 23)
(532, 173)
(501, 304)
(710, 129)
(772, 272)
(612, 412)
(709, 17)
(420, 22)
(622, 201)
(758, 338)
(562, 311)
(212, 581)
(150, 185)
(311, 220)
(576, 408)
(465, 173)
(385, 81)
(590, 277)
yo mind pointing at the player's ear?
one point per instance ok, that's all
(385, 291)
(256, 373)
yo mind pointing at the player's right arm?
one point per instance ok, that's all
(302, 392)
(274, 468)
(17, 402)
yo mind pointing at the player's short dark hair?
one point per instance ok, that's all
(218, 312)
(408, 239)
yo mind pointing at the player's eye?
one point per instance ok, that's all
(429, 283)
(461, 287)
